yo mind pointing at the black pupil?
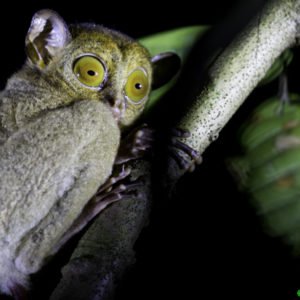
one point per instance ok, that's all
(138, 86)
(91, 72)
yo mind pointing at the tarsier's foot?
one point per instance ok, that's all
(135, 144)
(116, 188)
(177, 145)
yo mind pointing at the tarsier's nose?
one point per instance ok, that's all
(117, 106)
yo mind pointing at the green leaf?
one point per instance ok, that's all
(180, 41)
(269, 168)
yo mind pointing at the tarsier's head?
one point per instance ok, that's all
(93, 62)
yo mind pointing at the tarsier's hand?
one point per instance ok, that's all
(176, 148)
(135, 144)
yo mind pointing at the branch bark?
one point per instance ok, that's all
(106, 250)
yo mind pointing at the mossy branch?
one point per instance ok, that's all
(106, 249)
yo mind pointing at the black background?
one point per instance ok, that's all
(206, 242)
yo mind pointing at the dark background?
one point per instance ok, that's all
(207, 241)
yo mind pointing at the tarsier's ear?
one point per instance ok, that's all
(46, 36)
(165, 66)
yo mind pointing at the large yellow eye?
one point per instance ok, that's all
(137, 85)
(89, 71)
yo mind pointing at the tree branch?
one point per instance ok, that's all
(237, 71)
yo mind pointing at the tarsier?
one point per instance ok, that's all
(61, 117)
